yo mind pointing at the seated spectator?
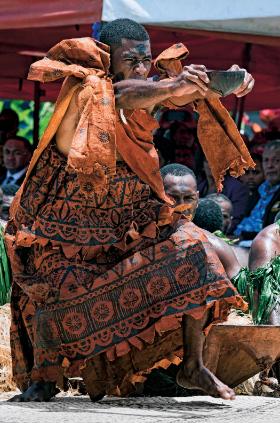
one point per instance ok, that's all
(253, 178)
(183, 137)
(180, 184)
(9, 122)
(208, 215)
(17, 152)
(267, 207)
(178, 143)
(210, 218)
(264, 262)
(226, 206)
(232, 188)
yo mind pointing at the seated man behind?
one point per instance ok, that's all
(264, 263)
(226, 207)
(241, 252)
(264, 212)
(209, 216)
(232, 188)
(9, 123)
(180, 184)
(263, 279)
(253, 178)
(17, 152)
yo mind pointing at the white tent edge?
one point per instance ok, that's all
(238, 16)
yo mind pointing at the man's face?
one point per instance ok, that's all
(184, 136)
(253, 177)
(15, 155)
(132, 60)
(226, 208)
(183, 190)
(271, 165)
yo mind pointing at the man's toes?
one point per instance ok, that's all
(227, 394)
(232, 395)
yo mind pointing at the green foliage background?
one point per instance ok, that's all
(24, 110)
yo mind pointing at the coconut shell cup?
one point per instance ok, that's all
(225, 82)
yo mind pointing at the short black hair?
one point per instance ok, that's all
(272, 145)
(113, 32)
(26, 142)
(218, 198)
(176, 169)
(208, 215)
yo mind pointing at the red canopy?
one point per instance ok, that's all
(260, 55)
(47, 13)
(20, 48)
(27, 40)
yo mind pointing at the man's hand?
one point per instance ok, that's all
(247, 85)
(193, 78)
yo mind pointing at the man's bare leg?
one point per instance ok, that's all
(194, 375)
(38, 391)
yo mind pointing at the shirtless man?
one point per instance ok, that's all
(265, 247)
(180, 183)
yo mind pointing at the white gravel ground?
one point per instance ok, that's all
(245, 409)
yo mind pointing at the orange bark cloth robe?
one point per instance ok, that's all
(102, 268)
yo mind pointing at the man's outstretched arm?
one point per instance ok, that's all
(188, 86)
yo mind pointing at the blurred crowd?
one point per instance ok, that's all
(249, 203)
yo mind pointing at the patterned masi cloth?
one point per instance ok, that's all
(98, 288)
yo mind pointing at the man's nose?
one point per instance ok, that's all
(180, 201)
(270, 163)
(140, 68)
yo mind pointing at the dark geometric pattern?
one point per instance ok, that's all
(90, 275)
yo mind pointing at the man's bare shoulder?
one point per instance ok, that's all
(68, 125)
(269, 234)
(265, 246)
(216, 241)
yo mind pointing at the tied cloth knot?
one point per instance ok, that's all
(85, 64)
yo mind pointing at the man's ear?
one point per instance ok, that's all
(197, 194)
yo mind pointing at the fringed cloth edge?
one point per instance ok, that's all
(157, 346)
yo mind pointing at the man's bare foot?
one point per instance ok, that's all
(38, 391)
(201, 378)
